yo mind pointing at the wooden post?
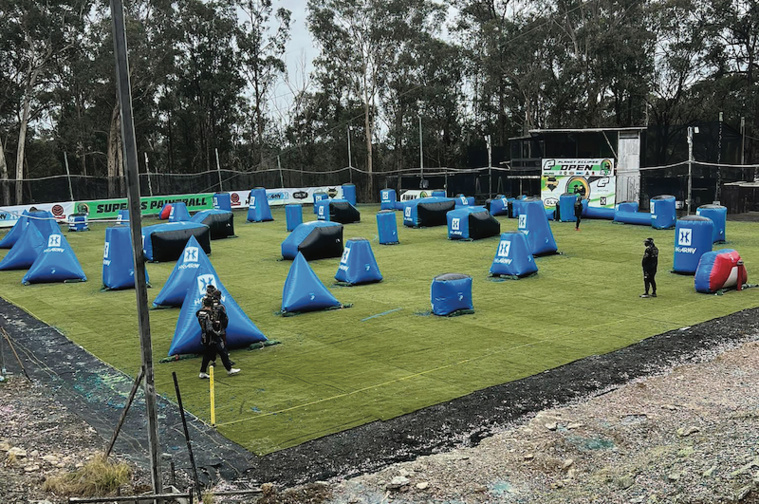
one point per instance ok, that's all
(135, 221)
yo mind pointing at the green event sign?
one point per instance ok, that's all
(109, 208)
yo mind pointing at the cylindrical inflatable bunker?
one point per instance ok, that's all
(315, 240)
(258, 206)
(718, 215)
(222, 201)
(720, 269)
(321, 209)
(357, 264)
(566, 208)
(513, 257)
(663, 211)
(318, 196)
(388, 199)
(166, 242)
(293, 215)
(349, 193)
(451, 294)
(387, 227)
(693, 237)
(221, 223)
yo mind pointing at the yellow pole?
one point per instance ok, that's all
(213, 399)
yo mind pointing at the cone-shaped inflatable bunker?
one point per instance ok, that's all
(513, 257)
(118, 259)
(179, 212)
(15, 233)
(241, 331)
(304, 291)
(258, 206)
(358, 265)
(534, 223)
(25, 251)
(193, 262)
(45, 222)
(56, 263)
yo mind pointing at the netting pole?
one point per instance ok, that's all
(281, 178)
(691, 130)
(490, 167)
(147, 170)
(68, 175)
(135, 218)
(218, 170)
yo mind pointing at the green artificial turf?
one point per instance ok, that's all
(386, 356)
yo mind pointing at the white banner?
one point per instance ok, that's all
(286, 196)
(10, 214)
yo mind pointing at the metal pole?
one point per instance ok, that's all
(743, 140)
(281, 178)
(490, 167)
(421, 151)
(186, 432)
(218, 170)
(717, 188)
(68, 175)
(350, 161)
(147, 170)
(135, 220)
(690, 164)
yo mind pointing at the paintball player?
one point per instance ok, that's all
(578, 211)
(650, 263)
(220, 315)
(212, 340)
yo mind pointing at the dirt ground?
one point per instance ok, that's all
(687, 434)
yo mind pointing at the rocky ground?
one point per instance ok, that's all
(688, 435)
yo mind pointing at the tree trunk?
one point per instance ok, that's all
(113, 151)
(368, 126)
(22, 145)
(4, 176)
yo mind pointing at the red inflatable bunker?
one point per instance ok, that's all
(165, 212)
(720, 269)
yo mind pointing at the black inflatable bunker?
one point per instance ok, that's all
(220, 222)
(166, 242)
(315, 240)
(427, 212)
(343, 212)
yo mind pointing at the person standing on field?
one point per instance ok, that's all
(578, 212)
(650, 262)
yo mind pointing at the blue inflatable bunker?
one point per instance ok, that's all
(387, 227)
(222, 201)
(471, 223)
(56, 263)
(315, 240)
(451, 294)
(693, 238)
(318, 196)
(498, 205)
(462, 200)
(193, 262)
(123, 218)
(358, 265)
(566, 208)
(427, 212)
(349, 193)
(304, 291)
(241, 331)
(14, 234)
(258, 206)
(627, 213)
(25, 251)
(597, 212)
(118, 259)
(179, 212)
(388, 199)
(45, 222)
(663, 212)
(513, 257)
(221, 223)
(165, 242)
(438, 193)
(720, 269)
(718, 215)
(534, 224)
(337, 210)
(293, 215)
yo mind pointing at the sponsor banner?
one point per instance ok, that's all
(149, 205)
(599, 191)
(10, 214)
(578, 167)
(285, 196)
